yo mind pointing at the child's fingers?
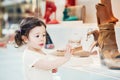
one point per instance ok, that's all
(69, 49)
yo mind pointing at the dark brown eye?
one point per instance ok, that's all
(37, 36)
(44, 35)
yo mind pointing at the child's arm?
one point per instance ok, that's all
(52, 64)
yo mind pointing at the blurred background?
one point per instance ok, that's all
(13, 11)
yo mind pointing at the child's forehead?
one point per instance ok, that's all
(37, 29)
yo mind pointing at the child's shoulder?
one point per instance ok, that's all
(29, 52)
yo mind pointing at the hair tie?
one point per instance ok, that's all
(18, 31)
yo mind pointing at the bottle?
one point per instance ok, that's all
(49, 44)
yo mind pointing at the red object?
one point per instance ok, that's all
(50, 46)
(50, 8)
(54, 70)
(2, 44)
(70, 3)
(54, 21)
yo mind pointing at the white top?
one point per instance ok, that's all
(32, 73)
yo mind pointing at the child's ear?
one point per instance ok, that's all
(25, 39)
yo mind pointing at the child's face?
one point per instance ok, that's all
(37, 38)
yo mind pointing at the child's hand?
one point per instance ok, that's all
(54, 70)
(68, 51)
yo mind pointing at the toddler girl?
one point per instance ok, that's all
(38, 65)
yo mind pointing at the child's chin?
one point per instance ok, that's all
(40, 47)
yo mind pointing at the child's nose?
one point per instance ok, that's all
(42, 38)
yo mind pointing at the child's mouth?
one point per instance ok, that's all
(41, 44)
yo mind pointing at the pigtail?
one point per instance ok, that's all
(18, 38)
(26, 25)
